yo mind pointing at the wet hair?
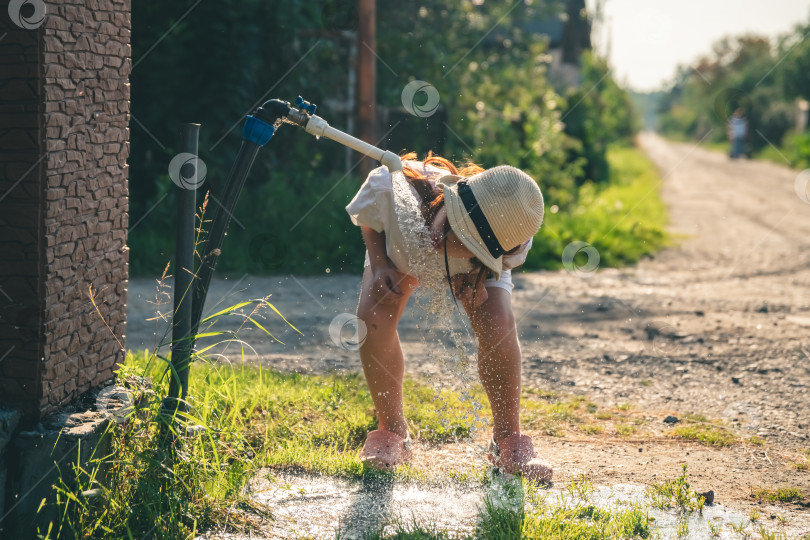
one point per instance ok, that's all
(433, 197)
(430, 193)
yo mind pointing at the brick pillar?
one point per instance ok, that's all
(64, 143)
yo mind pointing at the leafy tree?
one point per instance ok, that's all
(762, 77)
(213, 62)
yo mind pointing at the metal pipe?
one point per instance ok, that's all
(366, 76)
(184, 272)
(350, 94)
(219, 225)
(259, 128)
(320, 128)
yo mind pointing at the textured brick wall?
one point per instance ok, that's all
(82, 118)
(20, 196)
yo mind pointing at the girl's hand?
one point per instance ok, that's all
(464, 289)
(387, 283)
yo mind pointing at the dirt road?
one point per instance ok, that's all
(717, 324)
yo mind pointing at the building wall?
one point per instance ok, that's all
(73, 206)
(20, 204)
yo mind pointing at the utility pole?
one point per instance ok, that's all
(366, 79)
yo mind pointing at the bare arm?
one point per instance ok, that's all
(386, 286)
(375, 244)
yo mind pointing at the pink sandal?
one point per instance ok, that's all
(515, 455)
(385, 449)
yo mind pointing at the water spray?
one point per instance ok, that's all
(259, 128)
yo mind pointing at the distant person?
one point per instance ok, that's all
(482, 221)
(737, 130)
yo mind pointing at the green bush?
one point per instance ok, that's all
(599, 113)
(624, 220)
(496, 103)
(762, 76)
(285, 223)
(797, 150)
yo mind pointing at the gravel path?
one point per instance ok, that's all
(716, 324)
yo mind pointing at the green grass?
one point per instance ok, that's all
(625, 430)
(695, 418)
(699, 428)
(779, 495)
(766, 534)
(256, 419)
(592, 429)
(161, 478)
(624, 218)
(555, 416)
(707, 434)
(756, 440)
(714, 529)
(552, 416)
(773, 155)
(675, 493)
(572, 516)
(718, 146)
(253, 418)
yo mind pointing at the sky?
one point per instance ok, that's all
(649, 38)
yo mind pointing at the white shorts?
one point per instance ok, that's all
(504, 282)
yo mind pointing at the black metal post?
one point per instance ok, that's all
(257, 131)
(222, 218)
(182, 336)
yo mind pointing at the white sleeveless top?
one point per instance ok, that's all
(373, 206)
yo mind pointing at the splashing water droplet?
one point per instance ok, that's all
(432, 301)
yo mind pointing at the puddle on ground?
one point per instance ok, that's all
(312, 506)
(666, 522)
(326, 507)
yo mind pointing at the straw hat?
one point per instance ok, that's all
(493, 211)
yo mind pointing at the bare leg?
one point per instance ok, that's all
(499, 369)
(381, 354)
(499, 360)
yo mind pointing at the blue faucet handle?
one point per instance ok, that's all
(304, 105)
